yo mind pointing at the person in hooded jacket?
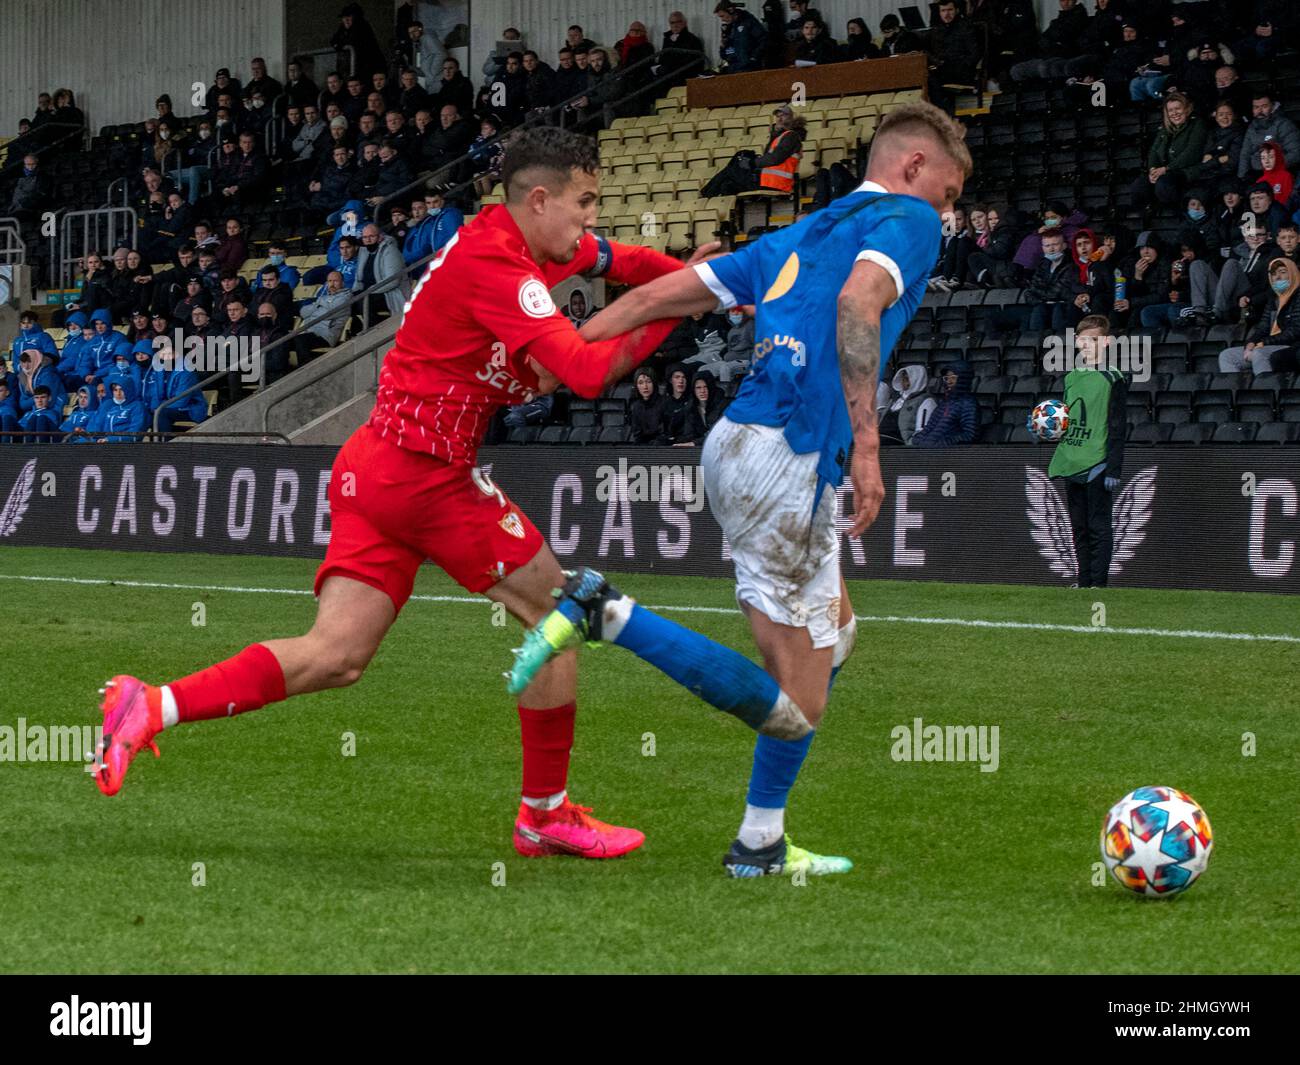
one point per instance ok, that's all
(8, 412)
(70, 357)
(1272, 157)
(31, 335)
(645, 415)
(1275, 332)
(903, 406)
(165, 380)
(1057, 218)
(35, 368)
(677, 403)
(78, 425)
(107, 342)
(1217, 169)
(123, 414)
(41, 423)
(707, 405)
(955, 418)
(992, 266)
(355, 31)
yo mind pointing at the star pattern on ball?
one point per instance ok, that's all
(1178, 810)
(1148, 856)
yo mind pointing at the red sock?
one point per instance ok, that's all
(547, 737)
(250, 680)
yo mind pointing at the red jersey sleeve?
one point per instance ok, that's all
(624, 264)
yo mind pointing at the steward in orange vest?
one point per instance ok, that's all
(779, 165)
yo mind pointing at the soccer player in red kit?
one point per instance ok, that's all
(480, 331)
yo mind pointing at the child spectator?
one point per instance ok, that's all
(956, 415)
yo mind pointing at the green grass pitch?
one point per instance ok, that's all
(386, 861)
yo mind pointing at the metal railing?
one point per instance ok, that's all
(694, 63)
(28, 144)
(99, 229)
(13, 252)
(379, 288)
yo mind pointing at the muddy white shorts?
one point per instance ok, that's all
(787, 558)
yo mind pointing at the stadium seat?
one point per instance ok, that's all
(1150, 433)
(1278, 433)
(1234, 433)
(1192, 433)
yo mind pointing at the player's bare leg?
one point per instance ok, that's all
(351, 621)
(548, 823)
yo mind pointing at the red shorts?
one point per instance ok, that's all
(392, 508)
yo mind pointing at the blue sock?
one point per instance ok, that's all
(776, 765)
(720, 676)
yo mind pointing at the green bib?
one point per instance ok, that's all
(1087, 395)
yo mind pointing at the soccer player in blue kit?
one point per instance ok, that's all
(832, 294)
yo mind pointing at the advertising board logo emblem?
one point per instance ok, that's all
(1049, 521)
(19, 498)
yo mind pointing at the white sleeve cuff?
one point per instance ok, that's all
(887, 264)
(710, 279)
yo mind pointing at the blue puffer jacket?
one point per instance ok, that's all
(41, 421)
(431, 234)
(120, 417)
(47, 375)
(37, 338)
(345, 229)
(956, 419)
(104, 346)
(162, 384)
(82, 417)
(70, 358)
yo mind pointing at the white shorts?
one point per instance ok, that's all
(787, 558)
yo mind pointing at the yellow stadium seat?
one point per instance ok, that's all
(707, 127)
(622, 165)
(659, 134)
(633, 138)
(647, 164)
(636, 195)
(663, 190)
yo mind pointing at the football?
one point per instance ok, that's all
(1049, 420)
(1156, 841)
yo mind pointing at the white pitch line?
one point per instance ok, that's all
(881, 619)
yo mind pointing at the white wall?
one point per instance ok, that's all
(118, 56)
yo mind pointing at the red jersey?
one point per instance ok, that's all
(460, 353)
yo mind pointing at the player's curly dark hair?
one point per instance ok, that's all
(558, 152)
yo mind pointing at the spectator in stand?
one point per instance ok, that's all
(678, 38)
(240, 174)
(195, 158)
(328, 191)
(402, 135)
(139, 327)
(269, 290)
(540, 86)
(200, 325)
(411, 97)
(954, 54)
(1173, 157)
(335, 92)
(955, 249)
(570, 79)
(1059, 46)
(1232, 205)
(956, 414)
(8, 410)
(1176, 39)
(1268, 215)
(355, 32)
(453, 89)
(324, 319)
(78, 425)
(993, 266)
(262, 82)
(67, 115)
(743, 39)
(436, 223)
(1177, 303)
(1057, 218)
(93, 293)
(195, 295)
(1267, 123)
(394, 172)
(31, 191)
(367, 173)
(1275, 331)
(857, 42)
(41, 423)
(1244, 283)
(381, 271)
(816, 45)
(576, 38)
(122, 418)
(233, 251)
(776, 169)
(1195, 76)
(1090, 253)
(31, 336)
(645, 413)
(740, 340)
(487, 153)
(78, 338)
(448, 141)
(222, 85)
(299, 89)
(706, 408)
(234, 289)
(423, 53)
(354, 100)
(1288, 239)
(209, 270)
(165, 380)
(904, 406)
(35, 368)
(1276, 175)
(895, 40)
(276, 258)
(271, 328)
(258, 115)
(634, 48)
(1271, 21)
(495, 64)
(1218, 166)
(369, 131)
(1114, 68)
(142, 278)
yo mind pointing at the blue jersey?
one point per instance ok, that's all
(794, 277)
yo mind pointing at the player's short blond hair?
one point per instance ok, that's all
(927, 120)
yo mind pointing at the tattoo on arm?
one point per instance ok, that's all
(859, 344)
